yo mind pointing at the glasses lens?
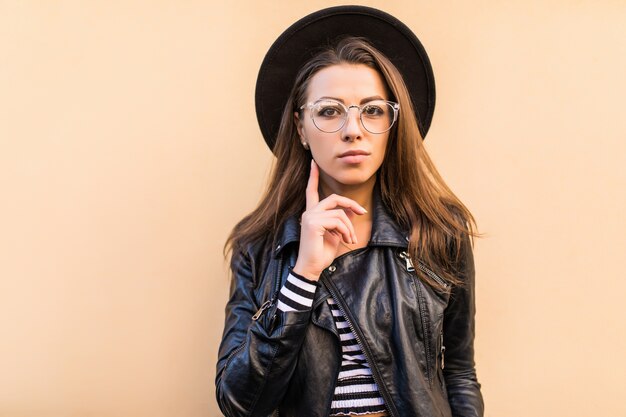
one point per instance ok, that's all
(328, 116)
(377, 116)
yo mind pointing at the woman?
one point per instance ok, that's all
(353, 280)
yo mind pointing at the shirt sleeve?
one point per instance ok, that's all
(296, 294)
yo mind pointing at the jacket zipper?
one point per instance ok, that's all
(410, 268)
(443, 350)
(264, 307)
(278, 276)
(230, 357)
(364, 347)
(269, 303)
(432, 275)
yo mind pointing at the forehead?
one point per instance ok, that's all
(348, 82)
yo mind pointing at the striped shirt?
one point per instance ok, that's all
(356, 392)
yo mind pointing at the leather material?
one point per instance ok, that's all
(289, 361)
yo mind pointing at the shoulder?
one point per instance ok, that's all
(459, 239)
(251, 257)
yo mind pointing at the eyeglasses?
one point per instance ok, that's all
(377, 116)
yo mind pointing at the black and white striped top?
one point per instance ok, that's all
(356, 391)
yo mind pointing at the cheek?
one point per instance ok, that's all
(382, 150)
(320, 143)
(379, 162)
(320, 153)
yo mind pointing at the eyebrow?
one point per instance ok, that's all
(365, 100)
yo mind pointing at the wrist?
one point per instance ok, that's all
(304, 273)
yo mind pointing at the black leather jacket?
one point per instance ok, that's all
(418, 341)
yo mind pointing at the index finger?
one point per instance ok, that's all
(312, 195)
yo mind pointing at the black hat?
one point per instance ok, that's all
(302, 40)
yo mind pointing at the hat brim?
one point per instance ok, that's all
(302, 40)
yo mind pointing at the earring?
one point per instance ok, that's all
(305, 145)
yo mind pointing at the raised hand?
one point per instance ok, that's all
(324, 224)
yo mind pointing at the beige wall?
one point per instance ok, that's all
(129, 148)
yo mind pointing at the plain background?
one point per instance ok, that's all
(129, 148)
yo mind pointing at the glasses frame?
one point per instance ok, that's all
(395, 106)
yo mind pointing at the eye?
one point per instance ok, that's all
(373, 110)
(329, 111)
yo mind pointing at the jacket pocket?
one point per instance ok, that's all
(423, 316)
(431, 304)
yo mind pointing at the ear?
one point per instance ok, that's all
(299, 124)
(300, 128)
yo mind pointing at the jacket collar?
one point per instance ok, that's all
(385, 230)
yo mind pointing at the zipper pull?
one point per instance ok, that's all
(407, 259)
(264, 307)
(443, 352)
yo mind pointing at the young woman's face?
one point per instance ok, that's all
(351, 155)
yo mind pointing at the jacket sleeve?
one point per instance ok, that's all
(256, 358)
(459, 372)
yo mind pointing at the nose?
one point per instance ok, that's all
(352, 128)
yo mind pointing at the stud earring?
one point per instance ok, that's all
(305, 145)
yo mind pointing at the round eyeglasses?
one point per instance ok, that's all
(377, 116)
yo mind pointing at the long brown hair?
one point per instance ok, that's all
(411, 188)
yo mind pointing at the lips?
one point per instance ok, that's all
(355, 156)
(354, 152)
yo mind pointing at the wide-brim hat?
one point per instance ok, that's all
(302, 40)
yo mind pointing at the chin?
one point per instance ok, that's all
(353, 179)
